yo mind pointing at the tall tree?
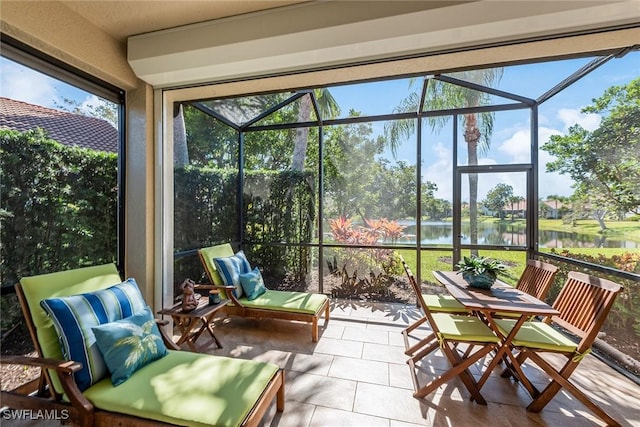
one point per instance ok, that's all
(605, 163)
(478, 127)
(328, 107)
(180, 149)
(498, 197)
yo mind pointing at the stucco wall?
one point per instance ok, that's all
(54, 29)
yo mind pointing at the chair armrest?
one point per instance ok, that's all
(61, 366)
(229, 291)
(165, 337)
(65, 370)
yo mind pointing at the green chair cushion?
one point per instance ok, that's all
(295, 302)
(208, 254)
(60, 284)
(537, 335)
(186, 388)
(443, 303)
(463, 328)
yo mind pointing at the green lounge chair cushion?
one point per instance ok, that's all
(208, 255)
(60, 284)
(463, 328)
(443, 303)
(295, 302)
(538, 335)
(186, 388)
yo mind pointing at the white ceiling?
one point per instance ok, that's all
(330, 34)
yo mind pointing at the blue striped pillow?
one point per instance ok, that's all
(73, 317)
(230, 269)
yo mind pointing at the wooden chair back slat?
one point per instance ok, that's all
(418, 291)
(584, 303)
(536, 279)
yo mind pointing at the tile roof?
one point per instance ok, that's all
(64, 127)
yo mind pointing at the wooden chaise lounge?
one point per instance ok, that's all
(273, 304)
(181, 388)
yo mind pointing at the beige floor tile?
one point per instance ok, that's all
(324, 391)
(396, 339)
(333, 330)
(396, 423)
(400, 376)
(366, 335)
(518, 416)
(360, 370)
(339, 347)
(318, 364)
(295, 414)
(384, 326)
(389, 402)
(384, 353)
(447, 411)
(325, 417)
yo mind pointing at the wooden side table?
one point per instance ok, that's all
(186, 321)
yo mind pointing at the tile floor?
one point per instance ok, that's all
(356, 375)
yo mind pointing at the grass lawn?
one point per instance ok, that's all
(442, 260)
(627, 230)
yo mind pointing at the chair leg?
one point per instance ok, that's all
(432, 345)
(459, 368)
(559, 380)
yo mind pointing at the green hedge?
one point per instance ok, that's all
(278, 206)
(58, 205)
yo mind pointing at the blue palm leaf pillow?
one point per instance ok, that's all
(129, 344)
(73, 317)
(230, 269)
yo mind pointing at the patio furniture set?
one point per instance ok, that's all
(105, 360)
(502, 321)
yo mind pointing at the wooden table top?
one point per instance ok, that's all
(501, 296)
(203, 309)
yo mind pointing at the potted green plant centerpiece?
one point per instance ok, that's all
(480, 272)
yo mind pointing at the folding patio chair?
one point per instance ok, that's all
(536, 280)
(447, 332)
(435, 304)
(584, 303)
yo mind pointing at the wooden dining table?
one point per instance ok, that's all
(489, 303)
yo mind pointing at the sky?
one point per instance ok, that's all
(511, 134)
(24, 84)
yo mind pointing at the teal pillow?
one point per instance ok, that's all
(74, 317)
(252, 284)
(129, 344)
(230, 268)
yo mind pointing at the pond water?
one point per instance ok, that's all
(491, 233)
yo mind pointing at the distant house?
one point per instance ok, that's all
(555, 209)
(64, 127)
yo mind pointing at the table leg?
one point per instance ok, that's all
(504, 353)
(185, 326)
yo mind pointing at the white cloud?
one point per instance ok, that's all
(550, 182)
(570, 117)
(23, 84)
(518, 147)
(440, 171)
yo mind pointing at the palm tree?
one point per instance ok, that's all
(328, 108)
(478, 127)
(514, 200)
